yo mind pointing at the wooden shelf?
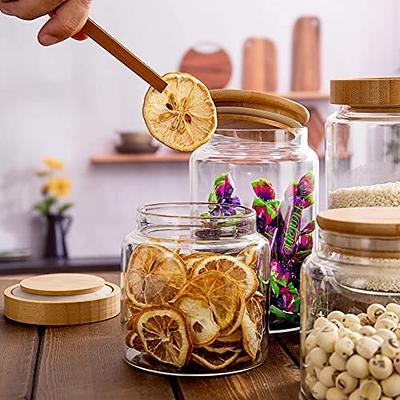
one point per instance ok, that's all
(140, 158)
(305, 95)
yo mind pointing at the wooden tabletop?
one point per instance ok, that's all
(86, 362)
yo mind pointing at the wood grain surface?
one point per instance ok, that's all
(85, 362)
(18, 348)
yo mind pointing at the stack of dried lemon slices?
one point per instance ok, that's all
(205, 309)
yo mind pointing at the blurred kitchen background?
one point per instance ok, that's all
(69, 100)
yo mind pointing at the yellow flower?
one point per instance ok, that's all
(59, 187)
(52, 163)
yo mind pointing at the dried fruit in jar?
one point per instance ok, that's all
(249, 255)
(203, 328)
(183, 116)
(154, 275)
(164, 334)
(253, 327)
(214, 361)
(222, 294)
(245, 276)
(192, 259)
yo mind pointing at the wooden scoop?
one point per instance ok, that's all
(108, 43)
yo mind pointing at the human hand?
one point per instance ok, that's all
(67, 17)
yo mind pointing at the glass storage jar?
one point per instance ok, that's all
(194, 282)
(363, 144)
(275, 172)
(351, 306)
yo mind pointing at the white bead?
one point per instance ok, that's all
(389, 315)
(396, 363)
(374, 311)
(391, 385)
(344, 347)
(335, 394)
(380, 366)
(350, 319)
(367, 347)
(321, 322)
(357, 366)
(319, 391)
(344, 332)
(328, 376)
(378, 338)
(327, 338)
(339, 315)
(385, 323)
(356, 327)
(310, 380)
(367, 330)
(337, 362)
(389, 398)
(318, 358)
(397, 332)
(386, 333)
(355, 337)
(390, 348)
(364, 320)
(393, 307)
(370, 390)
(346, 383)
(310, 342)
(337, 323)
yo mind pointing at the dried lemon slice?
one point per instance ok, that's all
(231, 340)
(215, 361)
(164, 334)
(249, 255)
(183, 116)
(222, 294)
(253, 327)
(133, 340)
(239, 271)
(154, 275)
(192, 259)
(198, 315)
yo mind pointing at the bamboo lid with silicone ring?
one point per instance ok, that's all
(62, 299)
(366, 92)
(244, 109)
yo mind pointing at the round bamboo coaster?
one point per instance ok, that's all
(62, 299)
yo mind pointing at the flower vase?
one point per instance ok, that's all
(57, 229)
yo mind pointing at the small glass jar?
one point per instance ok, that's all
(275, 172)
(363, 144)
(195, 279)
(350, 306)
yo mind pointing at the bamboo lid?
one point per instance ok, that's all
(62, 299)
(260, 106)
(363, 221)
(366, 92)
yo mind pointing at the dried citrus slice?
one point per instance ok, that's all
(192, 259)
(164, 334)
(249, 255)
(198, 315)
(221, 293)
(231, 266)
(183, 116)
(133, 340)
(253, 327)
(214, 361)
(220, 350)
(243, 358)
(154, 275)
(231, 340)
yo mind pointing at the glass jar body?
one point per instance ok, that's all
(264, 168)
(194, 291)
(363, 158)
(344, 294)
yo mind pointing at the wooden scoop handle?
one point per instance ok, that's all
(108, 43)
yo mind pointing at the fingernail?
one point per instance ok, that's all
(48, 40)
(6, 12)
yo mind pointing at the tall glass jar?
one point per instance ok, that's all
(363, 144)
(275, 172)
(195, 280)
(351, 306)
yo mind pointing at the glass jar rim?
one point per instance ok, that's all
(146, 210)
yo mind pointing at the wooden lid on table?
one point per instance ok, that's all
(62, 299)
(366, 92)
(259, 109)
(363, 221)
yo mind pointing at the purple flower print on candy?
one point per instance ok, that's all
(222, 194)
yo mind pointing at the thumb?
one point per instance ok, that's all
(66, 21)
